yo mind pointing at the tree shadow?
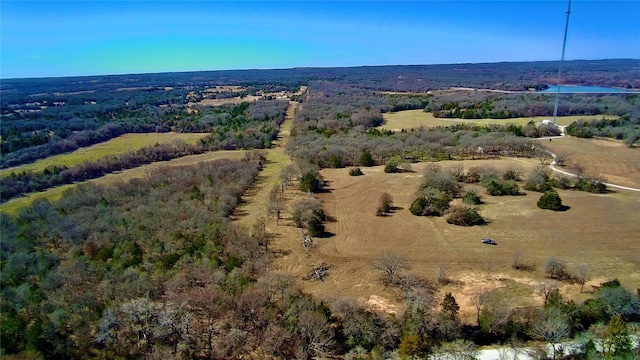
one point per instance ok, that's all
(326, 235)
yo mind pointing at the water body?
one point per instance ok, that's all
(576, 89)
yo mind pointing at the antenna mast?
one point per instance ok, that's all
(564, 46)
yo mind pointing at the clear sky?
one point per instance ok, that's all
(62, 38)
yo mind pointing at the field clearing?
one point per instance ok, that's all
(599, 231)
(54, 194)
(612, 159)
(411, 119)
(117, 146)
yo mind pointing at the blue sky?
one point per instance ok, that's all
(63, 38)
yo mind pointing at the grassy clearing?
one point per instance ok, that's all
(118, 146)
(618, 163)
(53, 194)
(411, 119)
(596, 231)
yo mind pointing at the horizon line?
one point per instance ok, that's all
(301, 67)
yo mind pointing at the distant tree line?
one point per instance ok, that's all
(253, 127)
(260, 120)
(626, 128)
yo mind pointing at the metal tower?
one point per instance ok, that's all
(564, 46)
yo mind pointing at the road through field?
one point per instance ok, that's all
(255, 199)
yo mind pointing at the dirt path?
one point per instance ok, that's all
(254, 203)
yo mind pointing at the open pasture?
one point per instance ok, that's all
(56, 193)
(612, 159)
(117, 146)
(411, 119)
(599, 231)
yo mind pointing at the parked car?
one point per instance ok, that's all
(489, 242)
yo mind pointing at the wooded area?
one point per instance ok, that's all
(155, 269)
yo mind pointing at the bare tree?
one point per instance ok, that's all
(391, 264)
(488, 267)
(478, 298)
(578, 170)
(552, 327)
(441, 275)
(555, 268)
(582, 275)
(545, 289)
(384, 204)
(259, 232)
(542, 154)
(275, 203)
(561, 159)
(516, 260)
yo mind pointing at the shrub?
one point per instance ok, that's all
(464, 216)
(471, 198)
(538, 180)
(512, 174)
(430, 202)
(556, 268)
(391, 166)
(366, 159)
(592, 183)
(304, 209)
(311, 182)
(550, 200)
(315, 227)
(441, 180)
(386, 202)
(472, 176)
(561, 182)
(355, 172)
(500, 188)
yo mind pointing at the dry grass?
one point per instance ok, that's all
(411, 119)
(618, 163)
(596, 231)
(117, 146)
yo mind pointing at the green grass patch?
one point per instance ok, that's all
(118, 146)
(411, 119)
(54, 194)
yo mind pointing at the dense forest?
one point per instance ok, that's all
(154, 268)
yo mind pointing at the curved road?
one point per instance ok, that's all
(552, 166)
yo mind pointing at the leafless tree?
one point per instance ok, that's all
(561, 159)
(391, 264)
(582, 275)
(545, 289)
(542, 154)
(552, 327)
(259, 232)
(488, 267)
(578, 170)
(478, 298)
(456, 350)
(275, 203)
(441, 275)
(555, 268)
(516, 260)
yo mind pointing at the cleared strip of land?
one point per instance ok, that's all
(412, 119)
(56, 193)
(117, 146)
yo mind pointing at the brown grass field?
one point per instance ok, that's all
(410, 119)
(599, 231)
(612, 159)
